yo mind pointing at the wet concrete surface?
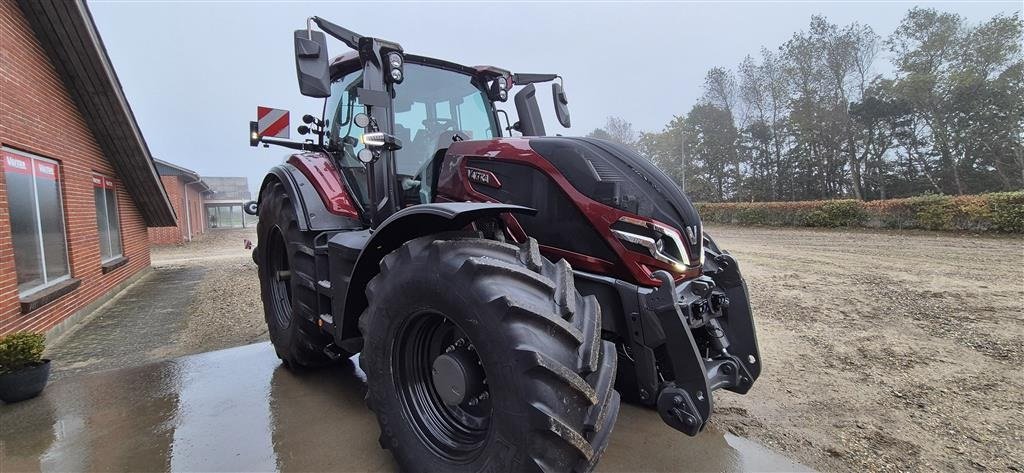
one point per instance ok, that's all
(136, 327)
(240, 410)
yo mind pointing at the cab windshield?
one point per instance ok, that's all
(431, 106)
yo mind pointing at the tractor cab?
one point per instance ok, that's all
(436, 104)
(388, 114)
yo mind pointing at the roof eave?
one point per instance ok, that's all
(68, 35)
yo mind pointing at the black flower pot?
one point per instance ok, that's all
(25, 383)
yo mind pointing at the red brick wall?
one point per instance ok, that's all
(38, 116)
(176, 189)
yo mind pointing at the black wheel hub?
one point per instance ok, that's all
(442, 386)
(458, 376)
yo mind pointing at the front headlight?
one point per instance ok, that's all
(660, 241)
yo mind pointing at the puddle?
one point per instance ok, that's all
(239, 410)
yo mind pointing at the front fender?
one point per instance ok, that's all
(309, 206)
(405, 225)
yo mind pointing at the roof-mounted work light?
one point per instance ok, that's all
(394, 64)
(499, 89)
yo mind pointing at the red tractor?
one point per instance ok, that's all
(501, 291)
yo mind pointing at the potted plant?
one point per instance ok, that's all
(23, 371)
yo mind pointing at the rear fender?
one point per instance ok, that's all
(405, 225)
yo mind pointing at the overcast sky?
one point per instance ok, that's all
(194, 72)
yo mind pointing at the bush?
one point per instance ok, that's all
(1007, 210)
(19, 350)
(999, 212)
(836, 213)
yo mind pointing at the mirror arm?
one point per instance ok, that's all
(524, 79)
(350, 38)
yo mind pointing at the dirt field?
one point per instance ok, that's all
(226, 310)
(884, 351)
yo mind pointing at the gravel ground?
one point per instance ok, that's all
(883, 351)
(226, 310)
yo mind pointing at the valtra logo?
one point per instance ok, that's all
(483, 177)
(46, 170)
(12, 163)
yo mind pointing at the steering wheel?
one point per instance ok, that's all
(443, 124)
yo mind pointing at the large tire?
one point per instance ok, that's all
(289, 301)
(548, 375)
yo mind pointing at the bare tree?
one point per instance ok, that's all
(616, 129)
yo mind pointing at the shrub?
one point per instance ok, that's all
(933, 212)
(999, 212)
(1007, 211)
(19, 350)
(836, 213)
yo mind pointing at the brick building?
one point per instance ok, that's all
(188, 192)
(78, 186)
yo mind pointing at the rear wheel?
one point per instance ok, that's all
(481, 355)
(287, 277)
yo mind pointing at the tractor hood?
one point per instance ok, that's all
(617, 176)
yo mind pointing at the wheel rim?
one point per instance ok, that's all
(280, 288)
(456, 433)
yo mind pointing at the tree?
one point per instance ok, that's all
(711, 153)
(958, 79)
(764, 90)
(811, 120)
(600, 134)
(616, 129)
(664, 149)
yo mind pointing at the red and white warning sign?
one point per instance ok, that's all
(272, 122)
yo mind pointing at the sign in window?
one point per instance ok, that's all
(108, 221)
(37, 220)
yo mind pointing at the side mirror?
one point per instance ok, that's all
(531, 123)
(561, 104)
(311, 63)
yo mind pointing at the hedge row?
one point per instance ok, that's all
(997, 212)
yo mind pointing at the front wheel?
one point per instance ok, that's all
(287, 277)
(481, 355)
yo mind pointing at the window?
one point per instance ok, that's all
(430, 105)
(37, 220)
(225, 216)
(107, 219)
(341, 107)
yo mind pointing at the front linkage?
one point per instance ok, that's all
(689, 340)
